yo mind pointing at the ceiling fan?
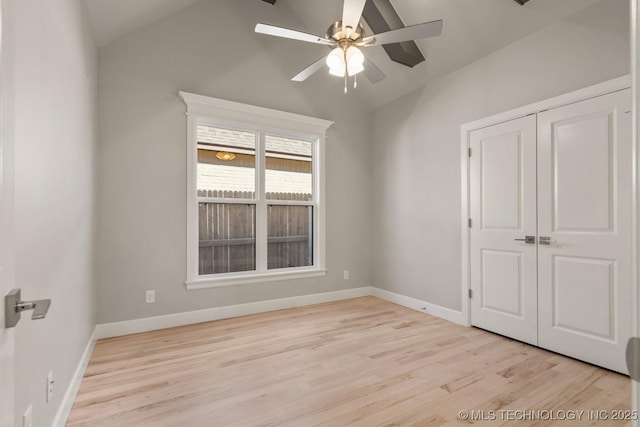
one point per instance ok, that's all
(345, 37)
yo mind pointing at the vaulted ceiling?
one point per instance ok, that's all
(472, 30)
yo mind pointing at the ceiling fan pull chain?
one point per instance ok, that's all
(346, 73)
(355, 81)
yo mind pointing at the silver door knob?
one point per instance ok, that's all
(13, 306)
(527, 239)
(545, 240)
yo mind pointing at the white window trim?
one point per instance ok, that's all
(223, 113)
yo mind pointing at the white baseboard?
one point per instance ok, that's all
(70, 395)
(115, 329)
(107, 330)
(422, 306)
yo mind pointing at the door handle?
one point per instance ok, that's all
(544, 240)
(13, 306)
(527, 239)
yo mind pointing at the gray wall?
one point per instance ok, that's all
(142, 163)
(416, 157)
(55, 72)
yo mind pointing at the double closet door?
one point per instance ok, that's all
(550, 242)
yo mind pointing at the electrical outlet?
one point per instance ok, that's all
(151, 297)
(50, 384)
(27, 418)
(345, 275)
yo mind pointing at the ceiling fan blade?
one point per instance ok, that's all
(311, 69)
(351, 13)
(371, 72)
(412, 32)
(272, 30)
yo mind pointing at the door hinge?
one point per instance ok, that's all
(470, 294)
(469, 152)
(470, 223)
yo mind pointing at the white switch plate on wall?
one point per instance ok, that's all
(151, 297)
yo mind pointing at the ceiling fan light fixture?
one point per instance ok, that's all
(355, 61)
(337, 71)
(353, 70)
(335, 62)
(350, 62)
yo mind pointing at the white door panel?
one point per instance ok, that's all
(584, 206)
(586, 142)
(583, 296)
(503, 270)
(502, 201)
(7, 346)
(501, 176)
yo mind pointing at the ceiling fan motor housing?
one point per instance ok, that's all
(346, 36)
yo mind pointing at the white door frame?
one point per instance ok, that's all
(603, 88)
(635, 91)
(7, 342)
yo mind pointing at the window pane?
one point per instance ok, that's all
(227, 238)
(289, 168)
(226, 163)
(290, 232)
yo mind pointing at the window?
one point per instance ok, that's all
(255, 209)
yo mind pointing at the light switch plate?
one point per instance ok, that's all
(151, 297)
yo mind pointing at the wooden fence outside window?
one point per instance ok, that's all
(227, 233)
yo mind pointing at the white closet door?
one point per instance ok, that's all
(584, 207)
(503, 209)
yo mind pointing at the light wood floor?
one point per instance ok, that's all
(360, 362)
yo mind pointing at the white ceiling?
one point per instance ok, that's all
(472, 30)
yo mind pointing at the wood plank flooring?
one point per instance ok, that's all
(360, 362)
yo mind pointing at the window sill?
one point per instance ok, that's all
(244, 279)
